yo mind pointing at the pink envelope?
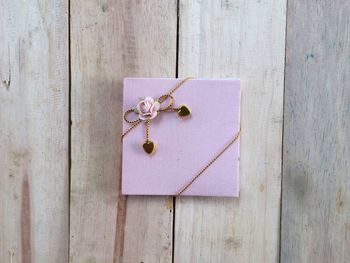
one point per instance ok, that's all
(184, 146)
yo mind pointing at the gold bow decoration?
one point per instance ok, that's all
(148, 109)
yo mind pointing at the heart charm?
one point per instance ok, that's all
(183, 111)
(149, 147)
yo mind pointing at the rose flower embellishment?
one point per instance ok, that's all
(147, 108)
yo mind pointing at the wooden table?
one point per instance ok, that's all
(61, 69)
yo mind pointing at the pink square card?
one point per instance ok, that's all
(184, 145)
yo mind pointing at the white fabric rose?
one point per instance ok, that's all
(147, 108)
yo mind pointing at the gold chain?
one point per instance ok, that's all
(130, 129)
(162, 99)
(184, 188)
(179, 85)
(147, 122)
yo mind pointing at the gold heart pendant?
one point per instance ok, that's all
(149, 147)
(184, 111)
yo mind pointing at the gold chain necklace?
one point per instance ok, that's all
(146, 114)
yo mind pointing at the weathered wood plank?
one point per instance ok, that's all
(112, 40)
(243, 39)
(33, 131)
(316, 164)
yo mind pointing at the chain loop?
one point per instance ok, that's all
(126, 114)
(163, 98)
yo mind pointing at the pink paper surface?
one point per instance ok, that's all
(184, 147)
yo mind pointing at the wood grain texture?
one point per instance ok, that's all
(33, 131)
(243, 39)
(111, 40)
(316, 166)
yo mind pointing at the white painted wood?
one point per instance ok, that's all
(316, 166)
(111, 40)
(244, 39)
(33, 131)
(114, 39)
